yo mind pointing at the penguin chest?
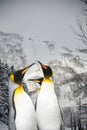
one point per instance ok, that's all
(48, 112)
(25, 118)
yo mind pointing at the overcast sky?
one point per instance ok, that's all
(43, 20)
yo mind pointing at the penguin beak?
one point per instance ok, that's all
(32, 64)
(25, 70)
(42, 65)
(39, 81)
(35, 80)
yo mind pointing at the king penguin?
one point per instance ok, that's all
(25, 116)
(47, 108)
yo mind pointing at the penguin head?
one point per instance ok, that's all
(47, 71)
(17, 76)
(39, 81)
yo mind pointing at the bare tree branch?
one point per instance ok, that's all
(82, 34)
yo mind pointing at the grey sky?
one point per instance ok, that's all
(42, 20)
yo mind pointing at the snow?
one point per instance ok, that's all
(11, 51)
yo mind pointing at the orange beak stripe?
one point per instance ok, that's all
(43, 66)
(25, 70)
(37, 81)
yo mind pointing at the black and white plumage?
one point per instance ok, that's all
(34, 72)
(47, 108)
(47, 71)
(25, 115)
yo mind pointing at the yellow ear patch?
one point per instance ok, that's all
(12, 77)
(25, 70)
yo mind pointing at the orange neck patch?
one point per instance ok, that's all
(48, 80)
(19, 90)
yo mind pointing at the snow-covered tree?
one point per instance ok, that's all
(11, 57)
(11, 51)
(4, 70)
(70, 78)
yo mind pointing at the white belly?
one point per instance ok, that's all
(48, 112)
(25, 114)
